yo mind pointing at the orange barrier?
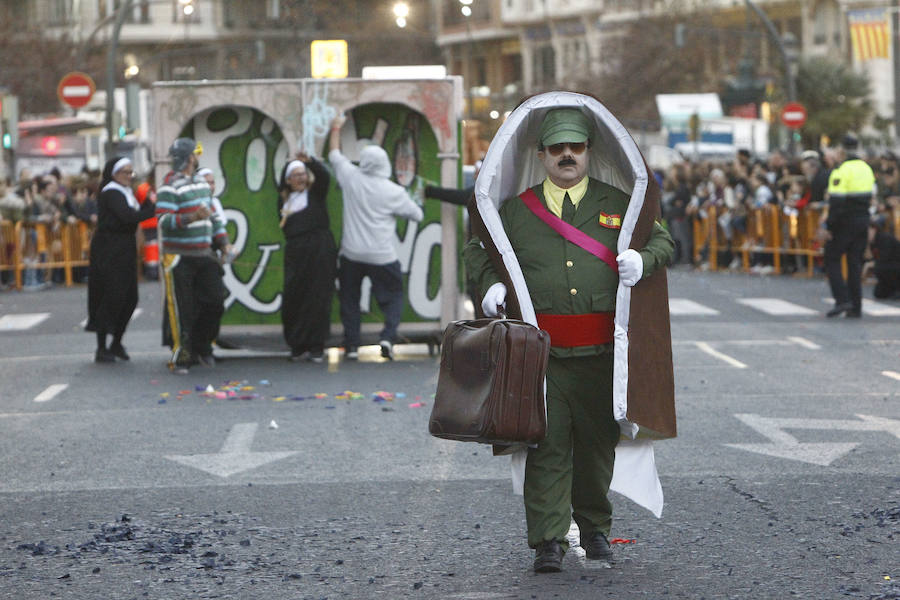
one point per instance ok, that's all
(768, 231)
(44, 246)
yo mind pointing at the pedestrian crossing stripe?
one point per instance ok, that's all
(21, 322)
(683, 306)
(134, 316)
(776, 306)
(873, 308)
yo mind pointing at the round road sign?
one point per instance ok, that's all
(793, 115)
(76, 89)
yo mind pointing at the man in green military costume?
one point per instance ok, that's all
(574, 296)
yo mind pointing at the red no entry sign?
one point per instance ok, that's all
(793, 115)
(76, 89)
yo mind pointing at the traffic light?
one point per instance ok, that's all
(9, 113)
(694, 127)
(118, 128)
(679, 35)
(50, 145)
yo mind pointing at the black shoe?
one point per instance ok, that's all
(207, 360)
(548, 557)
(597, 547)
(839, 309)
(182, 363)
(118, 350)
(854, 314)
(316, 357)
(298, 356)
(102, 355)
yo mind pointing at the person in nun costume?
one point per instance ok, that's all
(565, 218)
(112, 279)
(310, 257)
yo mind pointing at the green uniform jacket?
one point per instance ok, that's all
(563, 278)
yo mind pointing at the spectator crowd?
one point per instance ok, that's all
(731, 191)
(693, 192)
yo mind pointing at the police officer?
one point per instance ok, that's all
(845, 227)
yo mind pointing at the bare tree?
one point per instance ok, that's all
(643, 60)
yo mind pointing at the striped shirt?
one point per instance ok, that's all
(178, 197)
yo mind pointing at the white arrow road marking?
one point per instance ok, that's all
(235, 455)
(716, 354)
(21, 322)
(784, 445)
(804, 342)
(891, 374)
(50, 392)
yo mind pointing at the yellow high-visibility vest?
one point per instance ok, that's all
(850, 188)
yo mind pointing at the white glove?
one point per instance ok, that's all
(494, 297)
(631, 267)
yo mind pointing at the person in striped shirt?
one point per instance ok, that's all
(190, 233)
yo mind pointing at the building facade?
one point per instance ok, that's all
(562, 43)
(235, 39)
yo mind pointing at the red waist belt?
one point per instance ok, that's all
(569, 331)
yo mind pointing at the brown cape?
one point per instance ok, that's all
(644, 396)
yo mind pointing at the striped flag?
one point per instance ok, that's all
(869, 33)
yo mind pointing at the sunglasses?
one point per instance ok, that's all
(575, 147)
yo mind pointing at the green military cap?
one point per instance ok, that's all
(564, 125)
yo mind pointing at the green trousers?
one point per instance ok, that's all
(567, 476)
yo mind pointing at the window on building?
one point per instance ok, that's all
(544, 66)
(480, 71)
(511, 68)
(139, 13)
(826, 23)
(819, 25)
(142, 11)
(15, 12)
(59, 12)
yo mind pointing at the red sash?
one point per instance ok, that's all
(569, 331)
(570, 232)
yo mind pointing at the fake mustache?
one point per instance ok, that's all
(566, 162)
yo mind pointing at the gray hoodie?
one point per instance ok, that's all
(372, 203)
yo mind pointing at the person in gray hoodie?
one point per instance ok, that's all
(372, 203)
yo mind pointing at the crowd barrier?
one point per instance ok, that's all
(766, 231)
(44, 247)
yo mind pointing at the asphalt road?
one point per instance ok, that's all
(125, 481)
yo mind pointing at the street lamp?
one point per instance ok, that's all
(401, 11)
(788, 48)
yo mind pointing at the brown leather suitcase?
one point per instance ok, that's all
(491, 383)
